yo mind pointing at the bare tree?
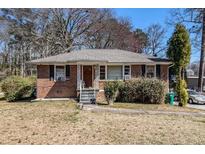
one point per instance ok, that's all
(27, 34)
(110, 33)
(68, 27)
(156, 36)
(32, 33)
(140, 41)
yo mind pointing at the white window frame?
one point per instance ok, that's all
(154, 70)
(55, 72)
(123, 71)
(105, 73)
(129, 71)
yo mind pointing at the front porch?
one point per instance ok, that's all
(91, 77)
(88, 76)
(87, 82)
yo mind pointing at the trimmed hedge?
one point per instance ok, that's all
(142, 90)
(17, 87)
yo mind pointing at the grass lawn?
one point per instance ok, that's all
(156, 107)
(62, 123)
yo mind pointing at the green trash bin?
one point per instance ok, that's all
(171, 98)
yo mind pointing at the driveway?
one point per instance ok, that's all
(197, 106)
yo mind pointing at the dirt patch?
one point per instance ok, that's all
(62, 123)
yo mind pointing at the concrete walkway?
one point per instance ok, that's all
(197, 106)
(97, 108)
(194, 106)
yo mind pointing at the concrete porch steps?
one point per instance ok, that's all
(87, 95)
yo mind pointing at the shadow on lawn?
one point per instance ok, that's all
(137, 103)
(23, 100)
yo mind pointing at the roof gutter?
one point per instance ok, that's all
(170, 66)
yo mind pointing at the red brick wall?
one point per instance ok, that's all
(101, 95)
(136, 71)
(164, 72)
(58, 89)
(164, 75)
(52, 89)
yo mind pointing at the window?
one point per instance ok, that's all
(60, 73)
(102, 72)
(150, 71)
(114, 72)
(67, 72)
(158, 71)
(127, 74)
(127, 70)
(143, 70)
(51, 72)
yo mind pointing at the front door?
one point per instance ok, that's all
(87, 75)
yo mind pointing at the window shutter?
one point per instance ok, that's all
(158, 71)
(143, 70)
(102, 73)
(51, 72)
(67, 72)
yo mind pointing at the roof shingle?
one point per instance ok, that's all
(97, 55)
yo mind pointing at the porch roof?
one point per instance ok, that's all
(100, 55)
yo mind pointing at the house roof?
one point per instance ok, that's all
(99, 55)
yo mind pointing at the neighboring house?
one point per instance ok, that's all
(83, 73)
(192, 82)
(190, 72)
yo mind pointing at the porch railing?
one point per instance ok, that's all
(82, 87)
(81, 84)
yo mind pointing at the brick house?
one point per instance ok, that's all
(83, 73)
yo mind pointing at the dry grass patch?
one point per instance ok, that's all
(155, 107)
(62, 123)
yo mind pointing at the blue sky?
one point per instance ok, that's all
(142, 18)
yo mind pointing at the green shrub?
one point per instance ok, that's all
(16, 87)
(142, 90)
(111, 90)
(182, 92)
(167, 98)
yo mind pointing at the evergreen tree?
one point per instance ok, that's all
(179, 51)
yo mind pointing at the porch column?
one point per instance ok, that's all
(78, 76)
(97, 76)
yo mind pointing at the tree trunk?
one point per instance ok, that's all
(182, 73)
(178, 83)
(201, 67)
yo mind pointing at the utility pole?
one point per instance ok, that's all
(201, 66)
